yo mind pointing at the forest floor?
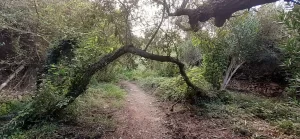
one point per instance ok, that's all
(145, 117)
(126, 111)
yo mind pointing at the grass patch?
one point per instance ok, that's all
(97, 101)
(247, 113)
(171, 88)
(243, 108)
(41, 131)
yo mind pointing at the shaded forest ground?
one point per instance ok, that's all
(145, 117)
(109, 110)
(186, 121)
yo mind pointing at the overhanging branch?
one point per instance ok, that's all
(221, 10)
(79, 85)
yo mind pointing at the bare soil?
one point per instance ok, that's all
(144, 117)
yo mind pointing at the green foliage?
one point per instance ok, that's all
(291, 48)
(214, 64)
(151, 82)
(243, 38)
(109, 74)
(10, 107)
(190, 54)
(285, 115)
(99, 97)
(197, 76)
(167, 70)
(214, 57)
(41, 131)
(86, 21)
(287, 126)
(139, 74)
(174, 88)
(238, 42)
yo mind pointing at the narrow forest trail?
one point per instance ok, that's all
(140, 118)
(144, 117)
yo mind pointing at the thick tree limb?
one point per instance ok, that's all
(79, 85)
(159, 58)
(221, 10)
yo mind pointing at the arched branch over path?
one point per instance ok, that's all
(80, 83)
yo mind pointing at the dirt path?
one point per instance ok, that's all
(141, 118)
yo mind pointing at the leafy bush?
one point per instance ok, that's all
(9, 107)
(291, 49)
(106, 75)
(214, 57)
(168, 70)
(44, 130)
(174, 88)
(138, 74)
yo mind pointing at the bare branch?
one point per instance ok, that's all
(156, 31)
(25, 32)
(184, 3)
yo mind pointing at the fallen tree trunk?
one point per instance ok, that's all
(11, 77)
(79, 85)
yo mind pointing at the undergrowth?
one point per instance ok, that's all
(168, 88)
(94, 108)
(245, 110)
(240, 109)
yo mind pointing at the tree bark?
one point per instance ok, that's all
(12, 76)
(221, 10)
(231, 70)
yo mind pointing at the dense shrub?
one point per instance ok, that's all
(175, 88)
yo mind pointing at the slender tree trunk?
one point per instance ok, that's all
(231, 70)
(12, 76)
(227, 74)
(234, 71)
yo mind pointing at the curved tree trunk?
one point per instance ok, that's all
(80, 83)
